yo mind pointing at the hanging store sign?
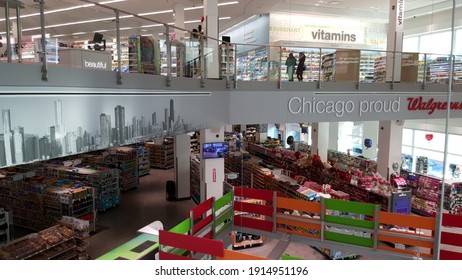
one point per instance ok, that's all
(309, 28)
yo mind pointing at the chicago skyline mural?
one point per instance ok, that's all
(51, 127)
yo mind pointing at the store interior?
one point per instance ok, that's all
(109, 187)
(270, 157)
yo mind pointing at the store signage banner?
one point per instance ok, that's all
(297, 107)
(309, 28)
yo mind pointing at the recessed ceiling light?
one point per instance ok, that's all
(334, 2)
(316, 4)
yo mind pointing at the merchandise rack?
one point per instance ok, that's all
(195, 179)
(312, 60)
(105, 181)
(438, 70)
(143, 159)
(162, 154)
(70, 198)
(227, 57)
(5, 226)
(425, 194)
(260, 179)
(22, 194)
(126, 160)
(58, 242)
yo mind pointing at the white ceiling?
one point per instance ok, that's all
(372, 10)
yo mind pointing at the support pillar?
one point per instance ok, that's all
(182, 151)
(19, 33)
(8, 32)
(389, 146)
(179, 20)
(211, 30)
(333, 136)
(371, 131)
(212, 170)
(395, 41)
(320, 139)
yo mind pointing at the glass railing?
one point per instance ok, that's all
(105, 38)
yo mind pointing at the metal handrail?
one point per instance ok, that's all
(236, 48)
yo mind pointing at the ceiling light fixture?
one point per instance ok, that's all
(65, 9)
(71, 23)
(156, 13)
(219, 5)
(112, 1)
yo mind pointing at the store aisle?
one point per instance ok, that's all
(138, 208)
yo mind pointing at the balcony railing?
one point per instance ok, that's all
(128, 43)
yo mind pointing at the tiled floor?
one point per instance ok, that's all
(138, 208)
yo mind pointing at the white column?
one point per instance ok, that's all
(320, 139)
(389, 144)
(395, 40)
(182, 150)
(211, 30)
(333, 136)
(179, 20)
(371, 131)
(212, 170)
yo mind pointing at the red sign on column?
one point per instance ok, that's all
(214, 173)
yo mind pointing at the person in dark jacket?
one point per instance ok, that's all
(290, 63)
(301, 66)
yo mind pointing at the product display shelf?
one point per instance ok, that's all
(195, 179)
(409, 68)
(352, 162)
(252, 65)
(424, 192)
(261, 152)
(455, 204)
(70, 198)
(321, 177)
(367, 66)
(251, 134)
(178, 63)
(55, 243)
(227, 58)
(5, 226)
(124, 55)
(134, 55)
(162, 154)
(23, 195)
(195, 148)
(380, 69)
(126, 160)
(144, 166)
(438, 71)
(312, 60)
(105, 181)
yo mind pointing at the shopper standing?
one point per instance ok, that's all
(301, 66)
(290, 63)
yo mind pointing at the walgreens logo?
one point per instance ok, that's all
(431, 105)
